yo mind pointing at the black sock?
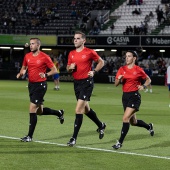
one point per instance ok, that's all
(92, 115)
(141, 123)
(32, 125)
(124, 131)
(77, 124)
(48, 111)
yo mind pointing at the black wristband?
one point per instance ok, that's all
(94, 71)
(46, 75)
(144, 86)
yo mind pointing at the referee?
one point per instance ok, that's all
(130, 75)
(37, 62)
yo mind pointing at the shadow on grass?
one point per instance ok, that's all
(81, 134)
(163, 145)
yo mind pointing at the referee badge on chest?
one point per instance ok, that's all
(38, 61)
(134, 73)
(83, 56)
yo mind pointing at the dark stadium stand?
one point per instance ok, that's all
(48, 16)
(125, 18)
(38, 17)
(61, 17)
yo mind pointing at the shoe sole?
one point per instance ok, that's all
(152, 133)
(101, 135)
(70, 145)
(62, 119)
(116, 148)
(25, 141)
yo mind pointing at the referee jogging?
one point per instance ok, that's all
(37, 62)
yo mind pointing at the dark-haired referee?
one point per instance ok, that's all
(130, 75)
(37, 62)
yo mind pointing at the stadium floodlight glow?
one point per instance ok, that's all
(113, 50)
(143, 50)
(46, 49)
(5, 47)
(162, 51)
(99, 49)
(18, 48)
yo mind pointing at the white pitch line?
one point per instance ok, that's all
(96, 149)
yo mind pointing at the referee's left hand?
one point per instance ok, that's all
(42, 75)
(91, 73)
(140, 87)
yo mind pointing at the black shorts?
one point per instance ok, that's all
(132, 100)
(37, 92)
(83, 88)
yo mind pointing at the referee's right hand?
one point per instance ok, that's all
(19, 75)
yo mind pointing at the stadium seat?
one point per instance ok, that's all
(125, 17)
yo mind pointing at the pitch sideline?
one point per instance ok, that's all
(96, 149)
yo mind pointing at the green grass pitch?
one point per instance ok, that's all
(48, 151)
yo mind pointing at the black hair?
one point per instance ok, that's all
(135, 54)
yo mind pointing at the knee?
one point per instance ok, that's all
(33, 110)
(78, 111)
(125, 119)
(36, 109)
